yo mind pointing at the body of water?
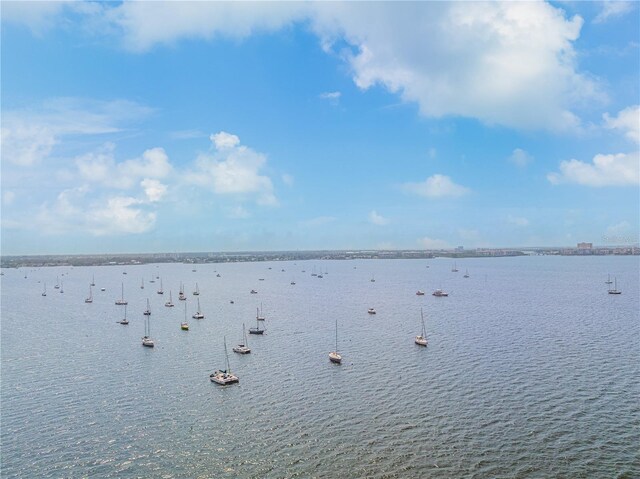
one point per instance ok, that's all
(532, 370)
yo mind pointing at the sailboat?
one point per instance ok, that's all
(314, 272)
(257, 329)
(373, 279)
(44, 292)
(454, 269)
(421, 339)
(608, 281)
(160, 291)
(57, 286)
(224, 376)
(147, 312)
(198, 314)
(419, 293)
(142, 284)
(371, 311)
(146, 339)
(90, 298)
(181, 295)
(184, 325)
(293, 282)
(242, 348)
(334, 356)
(197, 291)
(439, 292)
(124, 321)
(169, 304)
(259, 315)
(61, 289)
(93, 280)
(466, 274)
(615, 287)
(121, 301)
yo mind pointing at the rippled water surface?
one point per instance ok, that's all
(532, 370)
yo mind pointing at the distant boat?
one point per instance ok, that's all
(181, 295)
(320, 275)
(373, 279)
(466, 274)
(224, 376)
(253, 291)
(371, 311)
(243, 347)
(44, 292)
(160, 291)
(259, 315)
(121, 301)
(314, 272)
(61, 288)
(147, 312)
(57, 286)
(142, 284)
(89, 299)
(419, 293)
(197, 291)
(293, 282)
(615, 287)
(608, 281)
(257, 329)
(454, 268)
(103, 289)
(184, 325)
(334, 356)
(198, 314)
(124, 321)
(421, 339)
(439, 292)
(218, 275)
(146, 339)
(93, 280)
(169, 304)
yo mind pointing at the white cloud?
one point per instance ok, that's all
(233, 169)
(627, 121)
(518, 220)
(436, 186)
(377, 219)
(29, 135)
(621, 169)
(120, 215)
(431, 243)
(288, 179)
(153, 189)
(37, 16)
(612, 9)
(618, 229)
(333, 95)
(520, 158)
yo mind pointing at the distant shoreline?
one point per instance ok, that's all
(17, 261)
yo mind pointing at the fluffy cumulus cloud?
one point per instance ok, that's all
(612, 9)
(436, 186)
(377, 219)
(626, 122)
(120, 214)
(520, 158)
(233, 169)
(621, 169)
(508, 63)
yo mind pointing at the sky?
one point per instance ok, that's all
(137, 127)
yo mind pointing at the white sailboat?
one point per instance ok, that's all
(57, 286)
(334, 356)
(142, 284)
(89, 299)
(198, 314)
(169, 304)
(259, 315)
(371, 311)
(243, 347)
(454, 269)
(615, 287)
(466, 274)
(160, 291)
(608, 281)
(257, 329)
(44, 292)
(93, 280)
(421, 339)
(147, 312)
(184, 325)
(181, 296)
(121, 301)
(224, 376)
(124, 321)
(146, 339)
(197, 291)
(61, 288)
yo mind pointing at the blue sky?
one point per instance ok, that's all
(152, 127)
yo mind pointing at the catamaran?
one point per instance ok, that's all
(242, 348)
(224, 376)
(121, 301)
(198, 314)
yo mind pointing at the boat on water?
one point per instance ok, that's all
(371, 311)
(44, 292)
(93, 280)
(438, 292)
(419, 293)
(615, 287)
(160, 291)
(253, 291)
(57, 286)
(242, 348)
(259, 314)
(196, 292)
(181, 295)
(454, 268)
(124, 321)
(218, 275)
(224, 376)
(61, 288)
(293, 283)
(421, 339)
(147, 312)
(184, 325)
(608, 281)
(373, 279)
(121, 301)
(89, 299)
(103, 289)
(466, 274)
(334, 356)
(142, 284)
(257, 329)
(198, 314)
(146, 339)
(169, 304)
